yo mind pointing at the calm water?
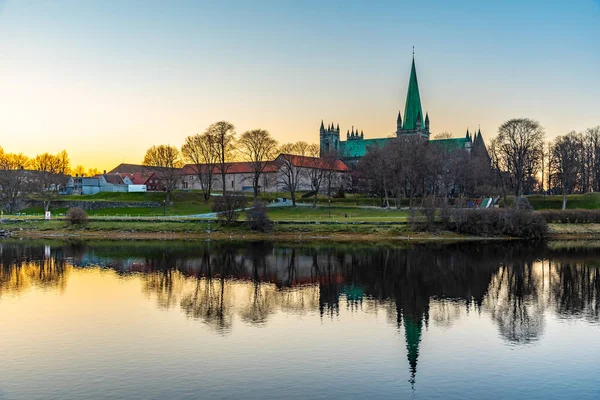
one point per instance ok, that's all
(198, 320)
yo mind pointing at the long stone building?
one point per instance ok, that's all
(413, 123)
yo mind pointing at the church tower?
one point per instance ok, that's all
(329, 139)
(415, 122)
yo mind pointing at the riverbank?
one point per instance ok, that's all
(203, 230)
(282, 230)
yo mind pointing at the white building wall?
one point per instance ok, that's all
(270, 182)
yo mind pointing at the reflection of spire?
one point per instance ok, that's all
(412, 334)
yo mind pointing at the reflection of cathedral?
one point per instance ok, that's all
(413, 123)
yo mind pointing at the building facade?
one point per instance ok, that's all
(274, 178)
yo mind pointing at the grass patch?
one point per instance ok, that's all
(587, 201)
(338, 213)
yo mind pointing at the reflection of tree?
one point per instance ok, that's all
(262, 296)
(211, 300)
(516, 304)
(166, 285)
(24, 267)
(329, 293)
(576, 292)
(445, 313)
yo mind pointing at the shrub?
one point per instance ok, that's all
(228, 207)
(522, 203)
(493, 222)
(76, 216)
(257, 218)
(340, 194)
(423, 219)
(571, 216)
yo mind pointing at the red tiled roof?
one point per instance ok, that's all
(113, 179)
(314, 162)
(272, 166)
(230, 168)
(133, 168)
(138, 178)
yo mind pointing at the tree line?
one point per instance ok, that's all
(411, 167)
(524, 163)
(213, 151)
(518, 161)
(43, 175)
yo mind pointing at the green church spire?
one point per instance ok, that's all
(413, 110)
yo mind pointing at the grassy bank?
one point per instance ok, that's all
(588, 201)
(289, 230)
(205, 229)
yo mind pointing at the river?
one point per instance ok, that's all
(229, 320)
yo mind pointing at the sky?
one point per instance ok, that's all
(107, 79)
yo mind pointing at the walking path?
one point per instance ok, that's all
(280, 203)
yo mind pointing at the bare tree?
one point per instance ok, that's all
(316, 172)
(13, 179)
(497, 167)
(414, 153)
(167, 160)
(518, 150)
(375, 170)
(223, 137)
(292, 168)
(79, 171)
(200, 150)
(258, 148)
(442, 135)
(331, 175)
(592, 136)
(445, 167)
(50, 176)
(565, 163)
(93, 172)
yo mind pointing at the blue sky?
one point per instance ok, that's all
(107, 79)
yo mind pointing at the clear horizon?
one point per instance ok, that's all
(105, 80)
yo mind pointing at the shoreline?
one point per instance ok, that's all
(398, 233)
(249, 236)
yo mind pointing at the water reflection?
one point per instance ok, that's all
(25, 266)
(515, 285)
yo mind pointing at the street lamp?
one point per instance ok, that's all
(164, 207)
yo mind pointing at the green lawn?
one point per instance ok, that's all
(338, 213)
(146, 196)
(588, 201)
(175, 209)
(191, 203)
(200, 227)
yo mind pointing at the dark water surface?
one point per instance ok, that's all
(200, 320)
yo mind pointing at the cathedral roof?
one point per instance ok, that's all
(358, 148)
(413, 110)
(450, 144)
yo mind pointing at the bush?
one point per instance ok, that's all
(340, 194)
(481, 222)
(523, 203)
(571, 216)
(424, 219)
(228, 207)
(76, 216)
(493, 222)
(257, 218)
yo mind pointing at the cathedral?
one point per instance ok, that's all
(415, 123)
